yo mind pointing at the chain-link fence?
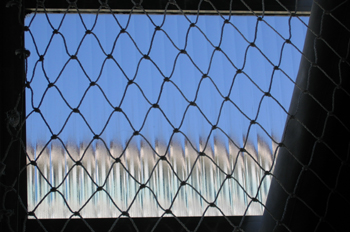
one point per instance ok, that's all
(159, 115)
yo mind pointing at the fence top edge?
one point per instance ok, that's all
(175, 12)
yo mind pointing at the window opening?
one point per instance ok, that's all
(146, 115)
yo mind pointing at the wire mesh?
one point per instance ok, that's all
(161, 96)
(194, 166)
